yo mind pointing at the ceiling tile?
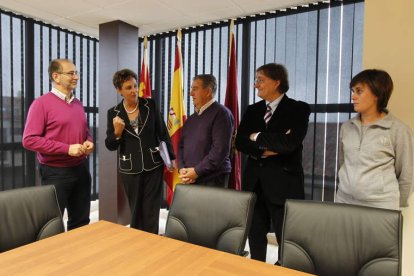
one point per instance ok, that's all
(150, 16)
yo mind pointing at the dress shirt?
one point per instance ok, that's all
(204, 107)
(273, 105)
(62, 95)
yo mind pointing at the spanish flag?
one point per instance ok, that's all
(176, 116)
(231, 102)
(144, 80)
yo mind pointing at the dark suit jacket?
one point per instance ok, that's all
(280, 176)
(138, 152)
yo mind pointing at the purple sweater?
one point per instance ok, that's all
(205, 142)
(52, 125)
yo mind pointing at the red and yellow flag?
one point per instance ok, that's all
(231, 102)
(176, 116)
(144, 79)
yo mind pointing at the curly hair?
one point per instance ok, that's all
(122, 76)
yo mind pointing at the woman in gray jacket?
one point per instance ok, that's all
(376, 148)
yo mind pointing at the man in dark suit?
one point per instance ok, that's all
(271, 133)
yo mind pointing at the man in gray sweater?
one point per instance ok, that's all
(204, 149)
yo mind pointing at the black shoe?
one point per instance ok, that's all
(277, 263)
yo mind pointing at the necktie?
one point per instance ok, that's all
(268, 114)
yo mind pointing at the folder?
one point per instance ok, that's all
(165, 155)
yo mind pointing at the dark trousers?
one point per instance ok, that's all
(221, 181)
(144, 192)
(73, 190)
(264, 214)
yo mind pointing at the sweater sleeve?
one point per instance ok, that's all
(34, 132)
(404, 163)
(222, 131)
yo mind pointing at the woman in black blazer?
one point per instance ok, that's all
(135, 128)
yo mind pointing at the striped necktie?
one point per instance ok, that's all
(268, 114)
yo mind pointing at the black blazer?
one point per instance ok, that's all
(280, 176)
(138, 152)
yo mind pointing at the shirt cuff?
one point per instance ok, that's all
(254, 137)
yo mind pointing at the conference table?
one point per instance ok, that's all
(105, 248)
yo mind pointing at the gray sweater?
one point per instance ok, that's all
(376, 163)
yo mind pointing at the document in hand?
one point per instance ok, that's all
(164, 154)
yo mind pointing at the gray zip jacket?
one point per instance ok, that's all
(376, 163)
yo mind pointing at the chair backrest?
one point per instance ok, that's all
(28, 215)
(213, 217)
(326, 238)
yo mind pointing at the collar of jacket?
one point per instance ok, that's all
(143, 113)
(385, 122)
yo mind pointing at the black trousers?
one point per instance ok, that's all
(265, 213)
(144, 192)
(73, 190)
(221, 181)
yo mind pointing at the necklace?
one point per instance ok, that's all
(130, 112)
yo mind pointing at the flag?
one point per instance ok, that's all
(144, 80)
(176, 116)
(231, 102)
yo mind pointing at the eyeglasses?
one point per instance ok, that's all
(259, 81)
(70, 74)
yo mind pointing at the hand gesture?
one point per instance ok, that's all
(119, 126)
(76, 150)
(89, 147)
(187, 175)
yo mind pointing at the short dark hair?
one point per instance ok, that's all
(55, 66)
(209, 81)
(276, 72)
(122, 76)
(379, 82)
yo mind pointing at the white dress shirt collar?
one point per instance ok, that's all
(275, 103)
(62, 95)
(204, 107)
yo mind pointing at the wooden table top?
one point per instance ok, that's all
(105, 248)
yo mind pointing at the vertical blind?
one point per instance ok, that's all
(26, 43)
(321, 46)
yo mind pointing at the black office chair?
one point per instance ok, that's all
(341, 239)
(217, 218)
(28, 215)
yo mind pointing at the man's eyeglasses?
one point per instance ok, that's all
(70, 74)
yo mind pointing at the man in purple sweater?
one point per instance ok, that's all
(56, 128)
(204, 149)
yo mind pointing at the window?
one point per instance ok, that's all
(321, 46)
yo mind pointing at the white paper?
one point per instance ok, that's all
(164, 154)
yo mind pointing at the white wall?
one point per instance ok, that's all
(388, 45)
